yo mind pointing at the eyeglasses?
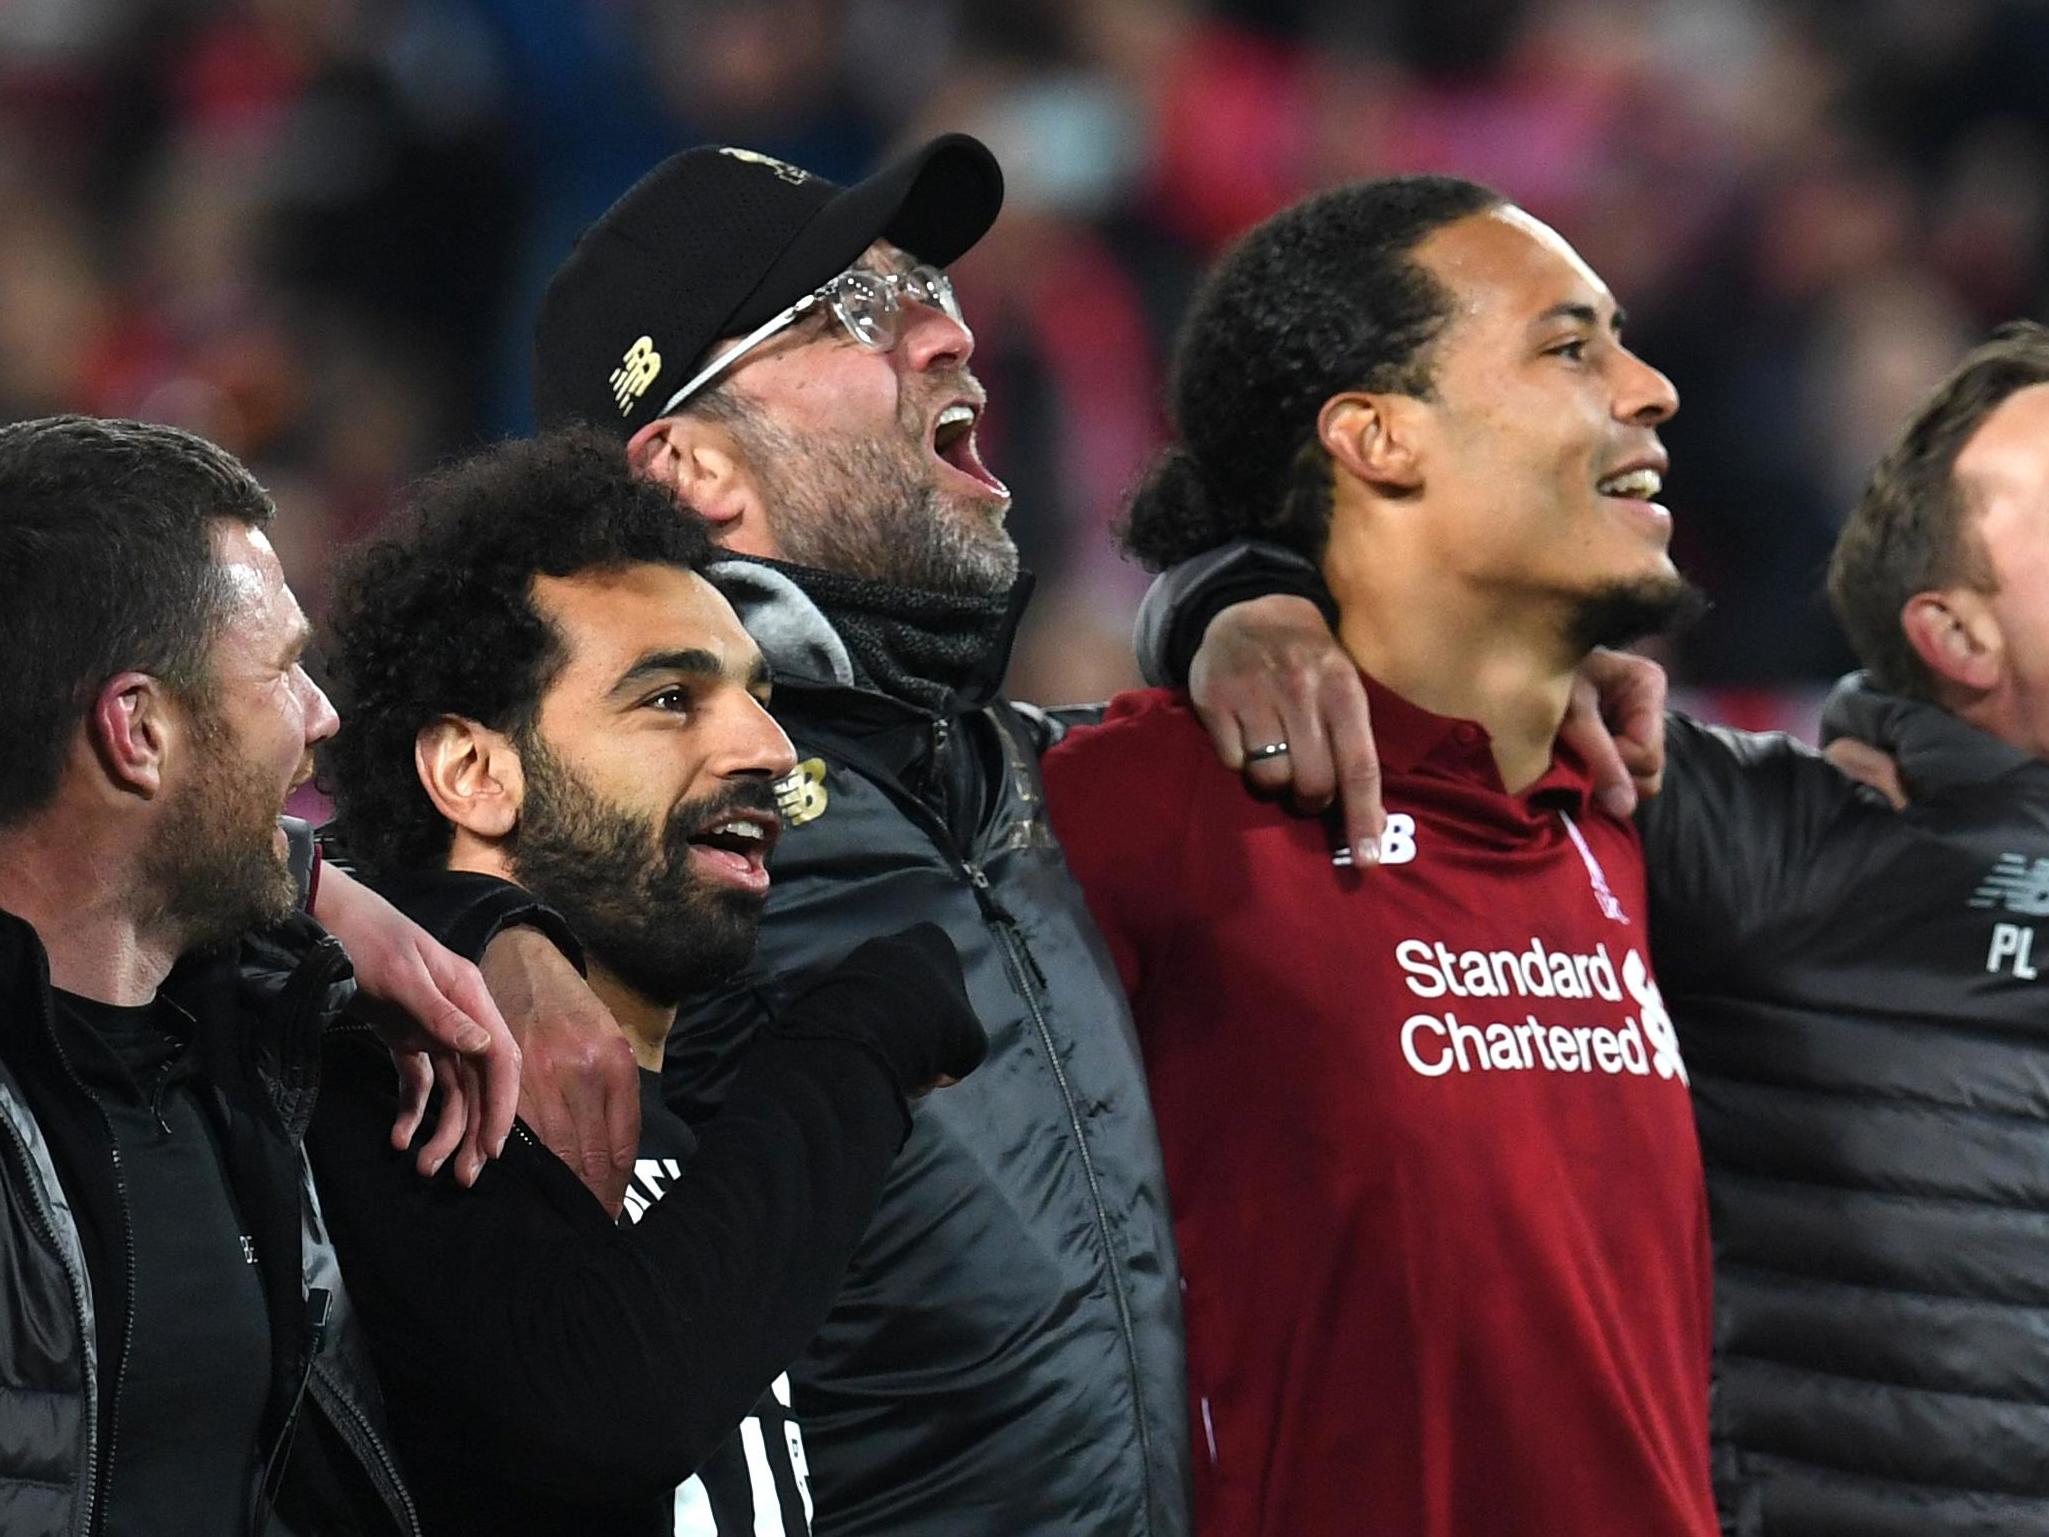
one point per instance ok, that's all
(868, 304)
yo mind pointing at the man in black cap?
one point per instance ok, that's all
(788, 357)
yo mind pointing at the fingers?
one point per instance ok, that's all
(1264, 724)
(622, 1129)
(470, 1160)
(542, 1108)
(449, 1124)
(415, 1084)
(1635, 708)
(1868, 765)
(1224, 734)
(1587, 734)
(1357, 764)
(492, 1049)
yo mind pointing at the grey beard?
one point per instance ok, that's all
(856, 507)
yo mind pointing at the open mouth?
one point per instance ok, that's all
(1638, 485)
(735, 849)
(953, 442)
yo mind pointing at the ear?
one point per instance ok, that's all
(132, 728)
(472, 774)
(702, 466)
(1957, 638)
(1372, 438)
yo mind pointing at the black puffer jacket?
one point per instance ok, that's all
(1005, 1358)
(257, 1059)
(1858, 999)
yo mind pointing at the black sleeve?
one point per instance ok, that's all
(466, 911)
(1183, 599)
(607, 1359)
(597, 1359)
(1737, 844)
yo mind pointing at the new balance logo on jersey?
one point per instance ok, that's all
(2017, 884)
(1397, 843)
(636, 371)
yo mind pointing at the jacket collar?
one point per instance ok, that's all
(1935, 751)
(791, 611)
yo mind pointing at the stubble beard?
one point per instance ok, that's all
(625, 888)
(868, 508)
(217, 870)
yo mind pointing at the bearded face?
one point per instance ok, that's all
(220, 867)
(625, 883)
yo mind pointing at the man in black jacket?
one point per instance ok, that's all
(540, 688)
(1858, 995)
(787, 357)
(175, 1349)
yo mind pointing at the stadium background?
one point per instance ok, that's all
(315, 230)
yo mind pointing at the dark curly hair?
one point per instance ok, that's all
(437, 617)
(1914, 528)
(1321, 298)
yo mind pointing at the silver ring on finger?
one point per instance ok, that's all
(1264, 754)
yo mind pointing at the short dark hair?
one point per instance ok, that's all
(1914, 529)
(107, 565)
(1323, 297)
(437, 617)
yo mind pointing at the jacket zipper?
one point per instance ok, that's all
(98, 1467)
(1023, 968)
(319, 1305)
(46, 1224)
(369, 1443)
(1024, 972)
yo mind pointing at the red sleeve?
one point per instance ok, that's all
(1120, 795)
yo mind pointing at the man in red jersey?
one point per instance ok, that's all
(1428, 1137)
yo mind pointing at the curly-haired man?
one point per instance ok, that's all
(541, 688)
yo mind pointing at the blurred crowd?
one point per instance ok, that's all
(315, 230)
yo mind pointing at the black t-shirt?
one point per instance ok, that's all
(184, 1437)
(762, 1462)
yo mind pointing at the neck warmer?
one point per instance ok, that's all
(929, 649)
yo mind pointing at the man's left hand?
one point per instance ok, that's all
(433, 1011)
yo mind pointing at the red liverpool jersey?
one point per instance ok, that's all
(1428, 1139)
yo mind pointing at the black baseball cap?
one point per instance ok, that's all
(716, 240)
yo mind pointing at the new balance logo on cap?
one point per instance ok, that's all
(636, 371)
(795, 175)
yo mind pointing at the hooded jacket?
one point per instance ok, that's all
(324, 1462)
(1005, 1356)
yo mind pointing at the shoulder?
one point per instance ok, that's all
(1151, 721)
(1128, 782)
